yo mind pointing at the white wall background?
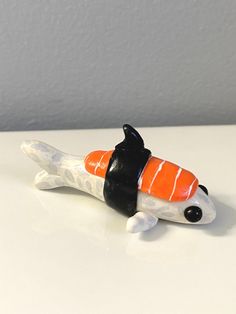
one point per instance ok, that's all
(86, 63)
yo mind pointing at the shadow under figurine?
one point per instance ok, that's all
(129, 179)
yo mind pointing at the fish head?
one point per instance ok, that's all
(199, 209)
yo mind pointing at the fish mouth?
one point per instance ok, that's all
(207, 206)
(211, 214)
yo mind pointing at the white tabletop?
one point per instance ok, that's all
(63, 251)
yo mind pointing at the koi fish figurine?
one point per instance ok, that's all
(129, 179)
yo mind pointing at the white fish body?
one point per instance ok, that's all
(60, 169)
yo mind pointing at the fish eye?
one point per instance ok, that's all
(203, 188)
(193, 213)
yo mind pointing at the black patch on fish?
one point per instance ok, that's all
(124, 169)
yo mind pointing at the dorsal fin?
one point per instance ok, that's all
(124, 169)
(132, 141)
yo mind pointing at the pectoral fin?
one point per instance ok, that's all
(141, 222)
(45, 181)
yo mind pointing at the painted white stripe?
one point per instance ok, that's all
(158, 170)
(174, 187)
(99, 163)
(190, 188)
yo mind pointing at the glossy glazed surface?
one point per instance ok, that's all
(119, 188)
(63, 251)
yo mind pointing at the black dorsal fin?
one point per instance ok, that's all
(132, 141)
(124, 169)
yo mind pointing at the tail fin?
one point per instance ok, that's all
(43, 154)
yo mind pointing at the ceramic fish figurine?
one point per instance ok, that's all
(129, 179)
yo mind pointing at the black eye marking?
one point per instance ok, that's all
(203, 188)
(193, 213)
